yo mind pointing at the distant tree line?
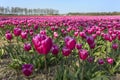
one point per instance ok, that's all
(26, 11)
(94, 13)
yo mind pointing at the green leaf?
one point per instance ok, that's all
(102, 77)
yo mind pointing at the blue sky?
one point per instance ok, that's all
(65, 6)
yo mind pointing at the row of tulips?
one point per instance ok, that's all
(79, 48)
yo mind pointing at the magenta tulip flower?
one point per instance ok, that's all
(55, 34)
(113, 36)
(83, 34)
(114, 46)
(70, 42)
(66, 51)
(55, 49)
(76, 34)
(83, 54)
(27, 69)
(24, 35)
(110, 60)
(90, 59)
(119, 36)
(17, 31)
(98, 33)
(79, 46)
(42, 43)
(27, 46)
(8, 36)
(100, 61)
(36, 27)
(106, 36)
(67, 38)
(43, 32)
(90, 40)
(92, 46)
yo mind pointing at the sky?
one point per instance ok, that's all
(65, 6)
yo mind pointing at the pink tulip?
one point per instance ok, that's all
(27, 31)
(27, 46)
(83, 34)
(42, 43)
(83, 54)
(100, 61)
(17, 31)
(106, 36)
(70, 42)
(118, 36)
(67, 38)
(114, 36)
(36, 27)
(92, 46)
(8, 36)
(90, 31)
(66, 51)
(55, 49)
(62, 30)
(31, 33)
(114, 46)
(90, 59)
(94, 36)
(110, 60)
(98, 33)
(79, 46)
(55, 34)
(27, 69)
(90, 40)
(43, 32)
(52, 28)
(76, 33)
(24, 35)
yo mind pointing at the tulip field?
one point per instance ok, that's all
(60, 48)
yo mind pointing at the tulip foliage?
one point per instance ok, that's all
(79, 48)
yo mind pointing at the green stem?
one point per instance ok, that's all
(46, 67)
(66, 63)
(10, 50)
(82, 73)
(107, 49)
(78, 75)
